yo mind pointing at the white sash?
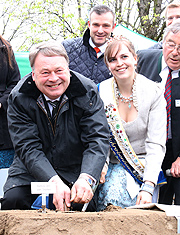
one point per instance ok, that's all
(107, 94)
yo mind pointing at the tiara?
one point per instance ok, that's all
(116, 37)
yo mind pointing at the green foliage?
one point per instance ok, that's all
(24, 22)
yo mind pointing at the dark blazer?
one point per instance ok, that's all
(158, 45)
(149, 64)
(8, 79)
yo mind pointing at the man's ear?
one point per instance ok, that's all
(114, 26)
(135, 58)
(89, 23)
(33, 75)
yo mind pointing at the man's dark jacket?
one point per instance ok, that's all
(79, 143)
(83, 59)
(149, 64)
(9, 77)
(158, 45)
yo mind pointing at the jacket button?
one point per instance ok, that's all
(95, 63)
(90, 104)
(54, 146)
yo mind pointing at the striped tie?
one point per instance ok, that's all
(55, 106)
(167, 95)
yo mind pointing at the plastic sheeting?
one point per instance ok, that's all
(139, 41)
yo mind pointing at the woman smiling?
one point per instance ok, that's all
(136, 112)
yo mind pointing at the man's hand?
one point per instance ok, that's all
(175, 168)
(81, 191)
(62, 195)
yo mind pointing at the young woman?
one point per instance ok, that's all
(9, 76)
(136, 111)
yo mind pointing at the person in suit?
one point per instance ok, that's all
(172, 13)
(158, 65)
(9, 77)
(59, 131)
(86, 54)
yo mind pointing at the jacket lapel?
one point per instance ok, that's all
(159, 79)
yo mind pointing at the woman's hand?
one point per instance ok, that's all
(103, 174)
(143, 198)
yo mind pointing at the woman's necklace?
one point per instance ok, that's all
(122, 98)
(125, 99)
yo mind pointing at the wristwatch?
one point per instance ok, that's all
(88, 180)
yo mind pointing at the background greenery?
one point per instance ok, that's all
(25, 22)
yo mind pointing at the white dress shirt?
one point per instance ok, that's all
(165, 71)
(49, 105)
(102, 48)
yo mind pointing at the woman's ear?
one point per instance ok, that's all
(135, 59)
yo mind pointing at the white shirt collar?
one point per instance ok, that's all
(47, 99)
(164, 65)
(165, 70)
(102, 48)
(49, 105)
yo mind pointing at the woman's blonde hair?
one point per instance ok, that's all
(114, 45)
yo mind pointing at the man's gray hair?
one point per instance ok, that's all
(102, 9)
(47, 48)
(174, 28)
